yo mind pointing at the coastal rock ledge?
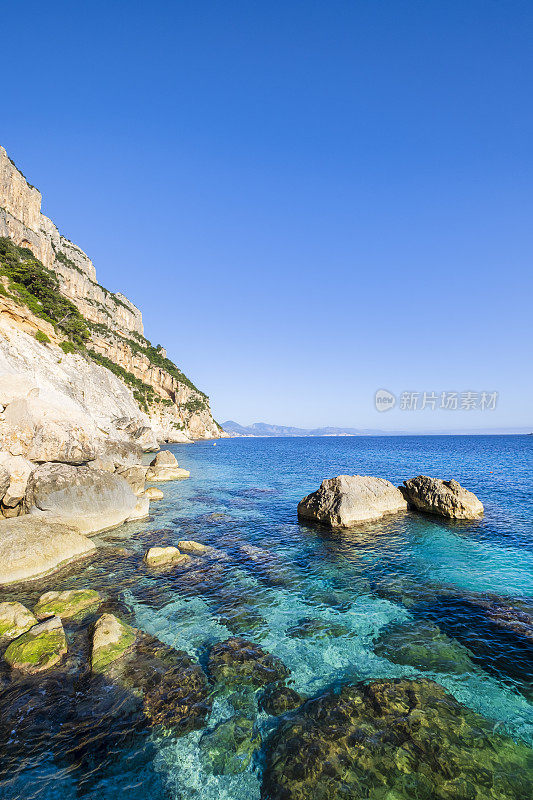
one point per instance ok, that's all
(445, 498)
(351, 499)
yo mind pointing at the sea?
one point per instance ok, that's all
(324, 602)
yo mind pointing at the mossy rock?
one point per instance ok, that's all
(229, 747)
(40, 648)
(111, 640)
(393, 740)
(15, 619)
(67, 604)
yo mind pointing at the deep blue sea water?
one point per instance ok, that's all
(273, 577)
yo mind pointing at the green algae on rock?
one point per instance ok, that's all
(229, 747)
(111, 639)
(15, 619)
(239, 661)
(393, 740)
(40, 648)
(67, 604)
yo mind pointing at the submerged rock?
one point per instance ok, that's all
(277, 700)
(88, 499)
(15, 619)
(239, 661)
(310, 627)
(40, 648)
(165, 467)
(67, 604)
(165, 556)
(174, 689)
(445, 498)
(32, 546)
(422, 645)
(350, 499)
(190, 546)
(393, 740)
(229, 747)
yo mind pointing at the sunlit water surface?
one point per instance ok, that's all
(318, 600)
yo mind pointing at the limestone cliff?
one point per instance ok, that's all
(170, 404)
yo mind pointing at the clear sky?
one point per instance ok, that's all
(309, 200)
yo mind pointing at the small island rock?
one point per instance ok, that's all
(351, 499)
(162, 556)
(445, 498)
(164, 467)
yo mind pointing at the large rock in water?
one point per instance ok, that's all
(350, 499)
(32, 546)
(165, 467)
(88, 499)
(445, 498)
(174, 689)
(40, 648)
(393, 740)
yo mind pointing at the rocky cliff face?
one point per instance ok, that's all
(163, 397)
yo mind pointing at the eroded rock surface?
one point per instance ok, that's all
(32, 546)
(393, 740)
(351, 499)
(89, 500)
(444, 498)
(164, 467)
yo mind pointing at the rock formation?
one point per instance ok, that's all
(445, 498)
(31, 546)
(350, 499)
(159, 399)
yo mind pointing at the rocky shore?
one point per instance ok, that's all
(60, 505)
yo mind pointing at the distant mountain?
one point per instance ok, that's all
(264, 429)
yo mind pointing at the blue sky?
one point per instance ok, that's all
(308, 200)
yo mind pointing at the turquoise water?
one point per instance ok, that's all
(321, 601)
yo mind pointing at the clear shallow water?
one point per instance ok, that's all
(320, 601)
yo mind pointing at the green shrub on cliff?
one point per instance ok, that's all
(42, 337)
(38, 288)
